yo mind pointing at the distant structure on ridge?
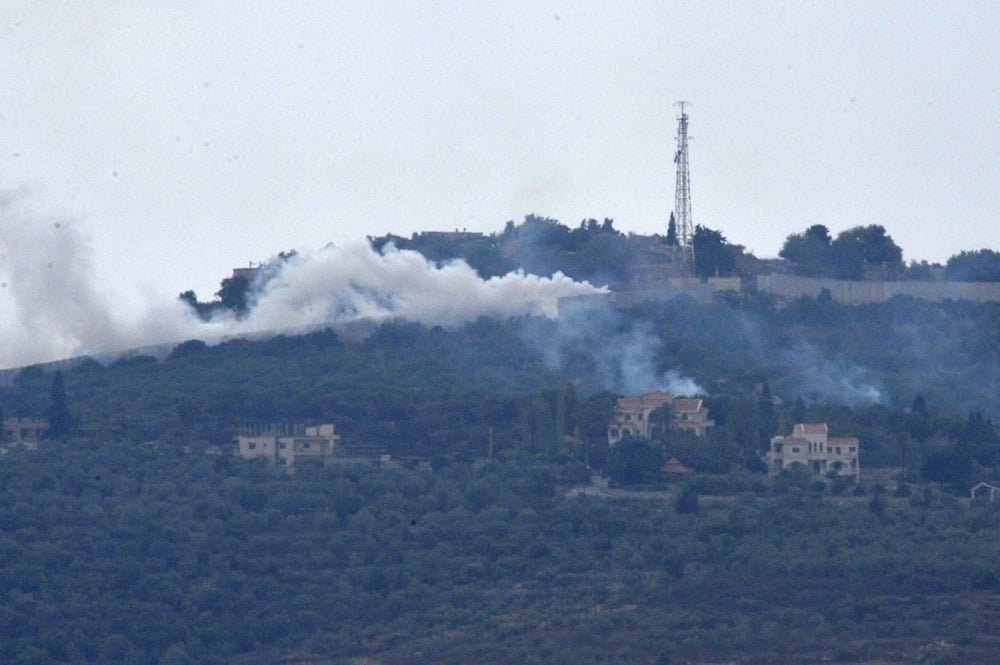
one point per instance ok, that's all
(684, 249)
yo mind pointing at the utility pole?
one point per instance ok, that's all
(684, 249)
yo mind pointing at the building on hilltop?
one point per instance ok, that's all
(811, 446)
(24, 431)
(632, 416)
(287, 444)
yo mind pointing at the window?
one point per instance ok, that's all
(252, 446)
(853, 449)
(777, 447)
(281, 445)
(795, 449)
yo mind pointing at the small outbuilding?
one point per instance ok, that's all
(984, 491)
(674, 470)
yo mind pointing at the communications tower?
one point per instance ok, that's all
(684, 249)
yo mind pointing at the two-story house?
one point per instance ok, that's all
(286, 445)
(811, 446)
(633, 416)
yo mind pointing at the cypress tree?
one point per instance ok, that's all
(60, 420)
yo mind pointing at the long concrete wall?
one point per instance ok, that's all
(862, 293)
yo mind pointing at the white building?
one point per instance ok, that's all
(632, 416)
(285, 445)
(24, 431)
(811, 446)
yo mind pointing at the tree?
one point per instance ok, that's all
(810, 251)
(60, 420)
(713, 257)
(672, 231)
(233, 294)
(686, 502)
(862, 250)
(951, 464)
(981, 266)
(632, 460)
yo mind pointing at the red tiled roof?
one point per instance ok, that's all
(657, 398)
(686, 405)
(674, 465)
(629, 404)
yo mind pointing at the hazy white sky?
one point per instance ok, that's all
(186, 138)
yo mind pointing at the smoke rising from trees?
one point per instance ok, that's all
(52, 307)
(622, 354)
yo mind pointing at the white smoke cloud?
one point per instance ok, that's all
(831, 380)
(353, 282)
(52, 309)
(623, 353)
(628, 363)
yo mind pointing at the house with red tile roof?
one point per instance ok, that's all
(633, 416)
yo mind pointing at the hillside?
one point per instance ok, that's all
(114, 552)
(412, 390)
(137, 535)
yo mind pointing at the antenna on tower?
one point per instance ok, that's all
(684, 249)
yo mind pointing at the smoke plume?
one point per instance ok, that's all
(620, 353)
(830, 380)
(52, 309)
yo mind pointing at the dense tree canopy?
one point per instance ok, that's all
(114, 551)
(865, 250)
(857, 253)
(980, 266)
(713, 257)
(810, 251)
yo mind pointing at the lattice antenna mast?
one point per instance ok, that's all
(684, 250)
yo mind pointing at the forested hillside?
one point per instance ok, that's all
(527, 383)
(117, 552)
(134, 534)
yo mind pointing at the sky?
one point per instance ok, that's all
(179, 140)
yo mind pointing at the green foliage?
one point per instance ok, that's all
(671, 238)
(866, 251)
(149, 554)
(633, 461)
(809, 251)
(233, 294)
(979, 266)
(857, 253)
(60, 420)
(686, 502)
(713, 257)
